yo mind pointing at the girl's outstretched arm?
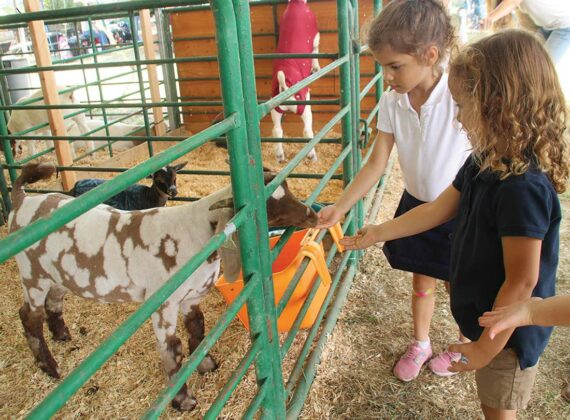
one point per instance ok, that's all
(417, 220)
(364, 180)
(553, 311)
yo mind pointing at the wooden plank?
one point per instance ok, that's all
(192, 24)
(146, 29)
(51, 97)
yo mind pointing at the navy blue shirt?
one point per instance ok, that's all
(523, 205)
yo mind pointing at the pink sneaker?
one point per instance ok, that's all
(410, 364)
(442, 361)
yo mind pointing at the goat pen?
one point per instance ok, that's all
(279, 394)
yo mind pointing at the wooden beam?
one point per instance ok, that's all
(149, 54)
(49, 88)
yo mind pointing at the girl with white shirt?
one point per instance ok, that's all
(411, 39)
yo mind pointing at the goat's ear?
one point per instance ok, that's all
(179, 166)
(228, 203)
(229, 251)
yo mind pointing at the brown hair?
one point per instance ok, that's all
(411, 27)
(514, 96)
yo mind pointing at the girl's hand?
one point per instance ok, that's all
(328, 216)
(364, 238)
(473, 357)
(512, 316)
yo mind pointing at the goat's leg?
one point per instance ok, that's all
(54, 308)
(33, 323)
(307, 118)
(194, 322)
(170, 349)
(315, 67)
(277, 132)
(83, 129)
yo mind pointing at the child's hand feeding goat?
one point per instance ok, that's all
(116, 256)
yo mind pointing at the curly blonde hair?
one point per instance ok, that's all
(513, 96)
(411, 27)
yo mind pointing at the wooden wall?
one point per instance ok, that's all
(199, 26)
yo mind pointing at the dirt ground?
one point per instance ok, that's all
(354, 379)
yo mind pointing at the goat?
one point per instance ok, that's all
(137, 197)
(115, 130)
(111, 255)
(298, 33)
(24, 119)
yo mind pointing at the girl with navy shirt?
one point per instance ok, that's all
(504, 200)
(411, 40)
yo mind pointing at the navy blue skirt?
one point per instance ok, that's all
(427, 253)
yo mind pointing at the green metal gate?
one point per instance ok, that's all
(274, 398)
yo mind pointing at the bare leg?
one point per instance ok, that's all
(498, 414)
(277, 133)
(54, 309)
(170, 349)
(423, 304)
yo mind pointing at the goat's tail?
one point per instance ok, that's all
(32, 172)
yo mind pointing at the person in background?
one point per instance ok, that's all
(551, 16)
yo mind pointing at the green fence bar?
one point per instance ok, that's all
(188, 367)
(298, 399)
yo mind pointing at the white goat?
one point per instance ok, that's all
(118, 256)
(115, 130)
(24, 119)
(298, 33)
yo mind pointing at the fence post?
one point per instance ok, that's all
(47, 79)
(248, 191)
(247, 67)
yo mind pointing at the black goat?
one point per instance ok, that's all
(137, 197)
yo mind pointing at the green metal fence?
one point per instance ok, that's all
(274, 397)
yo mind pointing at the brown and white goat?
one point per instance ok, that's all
(111, 255)
(298, 33)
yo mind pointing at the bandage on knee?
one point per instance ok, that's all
(423, 294)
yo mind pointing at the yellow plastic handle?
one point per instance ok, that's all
(314, 251)
(335, 231)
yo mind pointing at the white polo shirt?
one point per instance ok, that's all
(431, 147)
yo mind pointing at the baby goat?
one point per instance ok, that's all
(137, 197)
(111, 255)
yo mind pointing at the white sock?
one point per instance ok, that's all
(423, 344)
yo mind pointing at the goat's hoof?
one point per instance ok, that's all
(184, 403)
(312, 158)
(280, 158)
(62, 335)
(208, 364)
(50, 368)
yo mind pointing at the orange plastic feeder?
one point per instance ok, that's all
(285, 266)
